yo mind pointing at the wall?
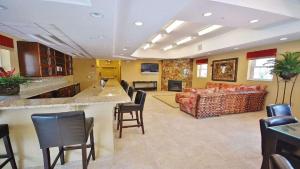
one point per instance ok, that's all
(173, 70)
(131, 71)
(85, 72)
(109, 69)
(243, 69)
(14, 61)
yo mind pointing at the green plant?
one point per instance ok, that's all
(288, 67)
(7, 78)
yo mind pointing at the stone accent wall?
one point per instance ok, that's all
(177, 69)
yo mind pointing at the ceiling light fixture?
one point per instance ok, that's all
(209, 29)
(146, 46)
(168, 47)
(283, 39)
(96, 15)
(138, 23)
(125, 49)
(254, 21)
(207, 14)
(185, 40)
(173, 26)
(236, 48)
(3, 7)
(156, 38)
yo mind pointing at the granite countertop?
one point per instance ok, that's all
(112, 92)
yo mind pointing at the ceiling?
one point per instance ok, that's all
(68, 25)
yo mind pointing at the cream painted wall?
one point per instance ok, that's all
(131, 71)
(13, 53)
(243, 69)
(85, 72)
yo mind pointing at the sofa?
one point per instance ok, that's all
(221, 99)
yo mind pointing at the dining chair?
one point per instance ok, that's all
(9, 156)
(279, 162)
(279, 110)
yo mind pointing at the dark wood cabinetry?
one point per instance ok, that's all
(38, 60)
(68, 91)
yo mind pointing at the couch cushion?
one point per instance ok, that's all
(212, 85)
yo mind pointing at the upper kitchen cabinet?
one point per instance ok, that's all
(38, 60)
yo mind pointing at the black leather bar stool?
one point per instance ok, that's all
(130, 93)
(279, 110)
(67, 131)
(137, 107)
(9, 156)
(279, 162)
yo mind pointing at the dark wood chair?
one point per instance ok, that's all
(9, 156)
(137, 106)
(130, 93)
(67, 131)
(279, 110)
(279, 162)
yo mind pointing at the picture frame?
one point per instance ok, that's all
(225, 70)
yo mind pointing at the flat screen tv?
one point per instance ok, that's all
(149, 68)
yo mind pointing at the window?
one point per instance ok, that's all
(5, 59)
(260, 69)
(202, 70)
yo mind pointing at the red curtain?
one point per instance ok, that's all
(201, 61)
(6, 41)
(262, 54)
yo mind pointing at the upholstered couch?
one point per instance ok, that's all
(220, 99)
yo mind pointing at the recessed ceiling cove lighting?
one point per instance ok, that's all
(146, 46)
(168, 47)
(283, 39)
(209, 29)
(173, 26)
(236, 48)
(254, 21)
(138, 23)
(124, 49)
(96, 15)
(156, 38)
(185, 40)
(207, 14)
(3, 7)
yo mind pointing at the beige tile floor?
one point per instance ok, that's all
(175, 140)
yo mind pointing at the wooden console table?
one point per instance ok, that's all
(145, 85)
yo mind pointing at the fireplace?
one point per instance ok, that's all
(175, 85)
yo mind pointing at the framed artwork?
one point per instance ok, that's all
(225, 70)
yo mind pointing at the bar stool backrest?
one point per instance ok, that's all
(130, 92)
(60, 129)
(140, 98)
(125, 86)
(279, 110)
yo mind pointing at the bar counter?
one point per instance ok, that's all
(96, 102)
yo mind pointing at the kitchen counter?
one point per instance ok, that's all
(96, 102)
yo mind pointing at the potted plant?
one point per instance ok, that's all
(10, 83)
(287, 68)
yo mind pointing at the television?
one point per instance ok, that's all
(149, 67)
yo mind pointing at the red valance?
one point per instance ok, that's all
(6, 41)
(201, 61)
(262, 53)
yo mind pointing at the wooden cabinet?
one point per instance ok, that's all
(38, 60)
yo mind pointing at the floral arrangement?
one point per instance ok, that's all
(8, 78)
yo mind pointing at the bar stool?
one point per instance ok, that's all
(137, 107)
(4, 133)
(130, 94)
(67, 131)
(279, 110)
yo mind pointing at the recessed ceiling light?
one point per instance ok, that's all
(173, 26)
(156, 38)
(168, 47)
(283, 39)
(146, 46)
(3, 7)
(207, 14)
(236, 48)
(209, 29)
(254, 21)
(185, 40)
(138, 23)
(96, 15)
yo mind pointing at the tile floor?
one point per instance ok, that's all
(175, 140)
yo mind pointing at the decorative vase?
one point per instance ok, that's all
(287, 75)
(9, 90)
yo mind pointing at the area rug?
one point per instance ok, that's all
(167, 99)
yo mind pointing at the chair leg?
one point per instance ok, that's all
(84, 156)
(131, 115)
(121, 124)
(137, 117)
(118, 121)
(92, 144)
(142, 121)
(62, 156)
(115, 113)
(46, 157)
(10, 152)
